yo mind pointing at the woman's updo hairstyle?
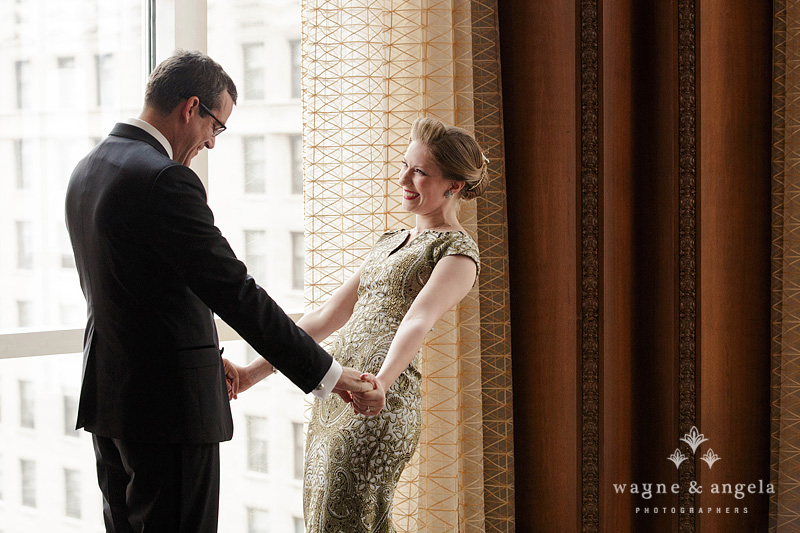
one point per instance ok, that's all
(457, 154)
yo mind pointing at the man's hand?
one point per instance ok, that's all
(351, 381)
(241, 378)
(231, 378)
(371, 402)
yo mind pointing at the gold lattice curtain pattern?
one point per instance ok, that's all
(370, 69)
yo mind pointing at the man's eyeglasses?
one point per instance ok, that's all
(219, 129)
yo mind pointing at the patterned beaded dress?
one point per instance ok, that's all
(353, 462)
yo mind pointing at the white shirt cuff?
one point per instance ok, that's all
(329, 381)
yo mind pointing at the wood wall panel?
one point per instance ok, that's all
(654, 384)
(682, 181)
(538, 41)
(617, 247)
(735, 126)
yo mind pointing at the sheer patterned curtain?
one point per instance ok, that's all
(369, 69)
(785, 460)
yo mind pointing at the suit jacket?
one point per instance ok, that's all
(153, 267)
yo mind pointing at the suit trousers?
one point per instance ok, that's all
(158, 487)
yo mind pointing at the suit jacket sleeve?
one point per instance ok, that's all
(181, 227)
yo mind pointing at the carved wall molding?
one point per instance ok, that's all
(687, 237)
(590, 185)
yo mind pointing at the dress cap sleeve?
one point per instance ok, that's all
(458, 243)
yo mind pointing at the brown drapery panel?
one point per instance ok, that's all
(638, 177)
(370, 69)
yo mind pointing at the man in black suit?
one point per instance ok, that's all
(154, 268)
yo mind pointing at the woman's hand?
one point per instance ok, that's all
(370, 403)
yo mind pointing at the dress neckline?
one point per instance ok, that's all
(407, 241)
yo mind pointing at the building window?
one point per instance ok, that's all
(67, 82)
(294, 51)
(23, 163)
(254, 164)
(257, 443)
(22, 70)
(257, 521)
(104, 71)
(297, 433)
(299, 526)
(24, 245)
(28, 482)
(298, 260)
(296, 150)
(70, 415)
(27, 404)
(72, 493)
(255, 252)
(254, 71)
(24, 314)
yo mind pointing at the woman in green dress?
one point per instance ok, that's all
(410, 278)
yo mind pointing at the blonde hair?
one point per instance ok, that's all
(457, 154)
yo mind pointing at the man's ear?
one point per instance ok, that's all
(188, 108)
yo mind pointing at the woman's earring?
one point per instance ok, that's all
(448, 193)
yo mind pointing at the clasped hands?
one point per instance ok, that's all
(361, 390)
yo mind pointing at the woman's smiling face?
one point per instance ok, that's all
(422, 181)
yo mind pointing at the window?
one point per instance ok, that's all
(22, 69)
(27, 404)
(72, 493)
(254, 71)
(70, 415)
(24, 313)
(105, 75)
(24, 245)
(24, 161)
(255, 251)
(51, 50)
(104, 40)
(67, 82)
(296, 151)
(297, 433)
(257, 443)
(71, 314)
(298, 260)
(254, 164)
(294, 52)
(28, 482)
(257, 521)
